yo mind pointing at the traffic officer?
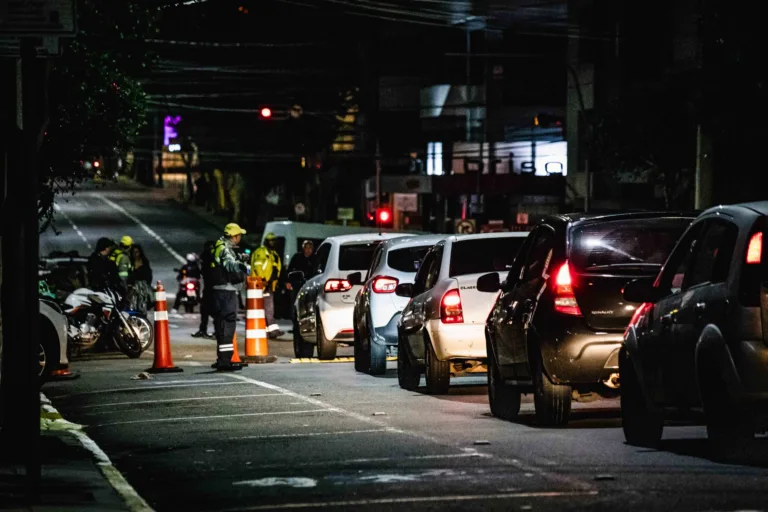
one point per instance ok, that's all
(266, 264)
(121, 257)
(227, 276)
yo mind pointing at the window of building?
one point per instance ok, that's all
(435, 158)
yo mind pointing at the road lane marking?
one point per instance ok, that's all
(213, 417)
(368, 460)
(312, 434)
(423, 499)
(140, 388)
(143, 226)
(314, 360)
(172, 400)
(74, 226)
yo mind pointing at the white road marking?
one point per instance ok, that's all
(351, 462)
(213, 417)
(297, 482)
(138, 388)
(172, 400)
(143, 226)
(74, 226)
(310, 434)
(421, 499)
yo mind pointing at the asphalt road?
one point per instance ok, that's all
(305, 436)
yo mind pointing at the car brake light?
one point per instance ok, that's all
(639, 312)
(565, 300)
(755, 249)
(384, 284)
(451, 311)
(190, 286)
(337, 285)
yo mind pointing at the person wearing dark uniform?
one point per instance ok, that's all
(228, 275)
(102, 272)
(206, 302)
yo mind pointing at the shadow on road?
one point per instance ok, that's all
(756, 455)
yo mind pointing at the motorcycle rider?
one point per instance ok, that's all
(190, 270)
(266, 264)
(102, 272)
(121, 257)
(228, 275)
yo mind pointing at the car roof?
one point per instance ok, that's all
(759, 207)
(363, 237)
(585, 218)
(480, 236)
(413, 241)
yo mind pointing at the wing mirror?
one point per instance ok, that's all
(489, 283)
(642, 290)
(355, 278)
(404, 290)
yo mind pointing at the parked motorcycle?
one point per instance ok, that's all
(98, 319)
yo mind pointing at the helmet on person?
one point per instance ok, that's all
(191, 257)
(270, 236)
(126, 241)
(233, 229)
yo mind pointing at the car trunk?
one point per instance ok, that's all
(476, 305)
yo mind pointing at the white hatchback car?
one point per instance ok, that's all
(324, 304)
(377, 308)
(442, 329)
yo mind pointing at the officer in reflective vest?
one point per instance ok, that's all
(121, 257)
(266, 265)
(227, 276)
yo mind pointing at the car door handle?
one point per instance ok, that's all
(668, 319)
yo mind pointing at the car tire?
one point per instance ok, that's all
(438, 373)
(642, 426)
(49, 352)
(326, 349)
(361, 358)
(408, 376)
(301, 348)
(377, 356)
(551, 401)
(503, 398)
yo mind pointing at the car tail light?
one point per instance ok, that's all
(641, 311)
(337, 285)
(190, 286)
(565, 300)
(451, 311)
(755, 249)
(384, 284)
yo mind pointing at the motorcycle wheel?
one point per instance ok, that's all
(128, 343)
(189, 308)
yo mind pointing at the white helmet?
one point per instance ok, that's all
(191, 257)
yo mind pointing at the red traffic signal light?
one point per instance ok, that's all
(384, 215)
(265, 113)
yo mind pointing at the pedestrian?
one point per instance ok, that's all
(102, 272)
(266, 265)
(140, 281)
(206, 302)
(304, 262)
(228, 274)
(121, 257)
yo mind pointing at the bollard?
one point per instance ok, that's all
(163, 362)
(256, 346)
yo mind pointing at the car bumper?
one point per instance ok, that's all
(582, 358)
(337, 320)
(457, 341)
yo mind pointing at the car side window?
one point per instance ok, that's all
(434, 268)
(376, 259)
(537, 256)
(679, 261)
(713, 256)
(516, 272)
(420, 283)
(322, 257)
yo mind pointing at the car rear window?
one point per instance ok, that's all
(407, 259)
(357, 256)
(482, 255)
(625, 243)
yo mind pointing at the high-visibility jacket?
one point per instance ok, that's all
(266, 264)
(123, 262)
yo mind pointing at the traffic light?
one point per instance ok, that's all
(384, 216)
(265, 113)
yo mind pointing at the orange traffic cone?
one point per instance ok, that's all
(163, 361)
(236, 352)
(256, 346)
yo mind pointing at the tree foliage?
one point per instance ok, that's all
(96, 101)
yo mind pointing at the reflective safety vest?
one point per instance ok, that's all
(266, 264)
(124, 266)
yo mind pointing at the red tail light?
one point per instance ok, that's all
(755, 249)
(384, 284)
(190, 286)
(451, 311)
(337, 285)
(644, 308)
(565, 300)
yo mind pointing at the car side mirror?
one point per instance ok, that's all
(355, 278)
(641, 290)
(404, 290)
(489, 283)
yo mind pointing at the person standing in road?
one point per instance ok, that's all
(121, 257)
(266, 265)
(140, 281)
(304, 262)
(206, 302)
(102, 273)
(227, 275)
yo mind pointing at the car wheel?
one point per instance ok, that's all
(48, 352)
(551, 401)
(326, 349)
(503, 398)
(301, 348)
(642, 427)
(438, 372)
(361, 358)
(407, 375)
(377, 356)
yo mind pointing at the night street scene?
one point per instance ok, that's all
(383, 255)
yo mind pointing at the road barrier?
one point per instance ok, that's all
(256, 346)
(163, 362)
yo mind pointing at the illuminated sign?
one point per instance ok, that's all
(170, 132)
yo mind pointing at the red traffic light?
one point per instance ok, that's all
(265, 112)
(384, 215)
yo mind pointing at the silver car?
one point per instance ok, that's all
(377, 308)
(441, 330)
(324, 304)
(53, 340)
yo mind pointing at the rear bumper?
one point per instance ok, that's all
(582, 358)
(337, 320)
(457, 341)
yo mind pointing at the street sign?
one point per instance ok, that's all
(300, 209)
(522, 218)
(36, 18)
(406, 202)
(466, 226)
(345, 213)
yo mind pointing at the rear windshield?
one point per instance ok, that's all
(484, 255)
(407, 260)
(625, 243)
(357, 256)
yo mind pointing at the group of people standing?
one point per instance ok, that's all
(123, 267)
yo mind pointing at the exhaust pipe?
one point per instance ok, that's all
(613, 381)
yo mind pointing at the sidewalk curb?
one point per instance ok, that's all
(54, 421)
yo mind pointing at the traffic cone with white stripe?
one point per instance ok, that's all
(256, 346)
(236, 352)
(163, 361)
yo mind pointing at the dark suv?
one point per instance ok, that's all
(557, 326)
(700, 338)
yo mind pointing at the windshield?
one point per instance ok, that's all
(408, 259)
(357, 256)
(625, 243)
(481, 255)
